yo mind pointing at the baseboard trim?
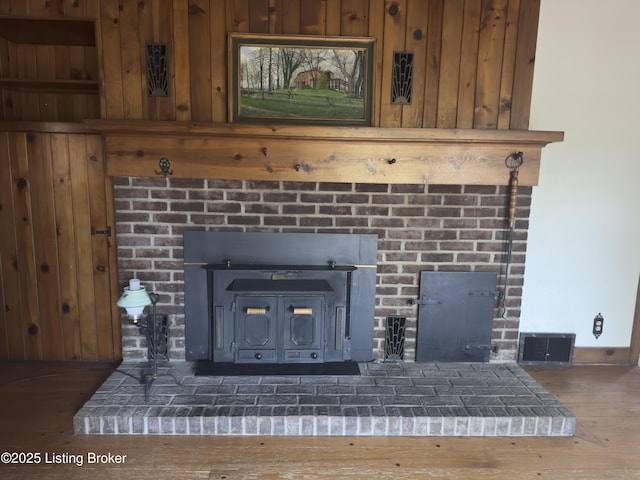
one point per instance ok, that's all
(601, 355)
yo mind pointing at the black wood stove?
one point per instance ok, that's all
(280, 313)
(277, 298)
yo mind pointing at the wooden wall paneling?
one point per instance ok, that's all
(39, 150)
(98, 107)
(525, 62)
(259, 16)
(133, 63)
(42, 8)
(449, 80)
(275, 16)
(64, 217)
(16, 97)
(491, 49)
(334, 18)
(237, 15)
(395, 24)
(181, 48)
(353, 19)
(46, 71)
(290, 14)
(468, 64)
(313, 17)
(107, 328)
(416, 43)
(11, 330)
(83, 239)
(6, 112)
(29, 104)
(111, 59)
(376, 30)
(508, 64)
(200, 53)
(79, 105)
(64, 102)
(432, 63)
(22, 188)
(145, 35)
(219, 63)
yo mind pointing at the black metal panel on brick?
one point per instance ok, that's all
(455, 316)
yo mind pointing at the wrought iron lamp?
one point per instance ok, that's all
(134, 300)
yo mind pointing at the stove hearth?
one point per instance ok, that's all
(278, 298)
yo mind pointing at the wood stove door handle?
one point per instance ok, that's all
(302, 311)
(256, 310)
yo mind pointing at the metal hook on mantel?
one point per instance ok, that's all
(165, 167)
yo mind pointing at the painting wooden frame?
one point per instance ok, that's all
(300, 79)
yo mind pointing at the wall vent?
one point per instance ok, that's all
(546, 348)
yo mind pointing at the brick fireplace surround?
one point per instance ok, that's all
(420, 227)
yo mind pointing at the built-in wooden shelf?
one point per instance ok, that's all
(50, 86)
(48, 31)
(320, 153)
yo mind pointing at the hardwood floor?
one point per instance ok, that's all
(38, 400)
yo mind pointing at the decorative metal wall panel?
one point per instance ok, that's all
(157, 70)
(402, 80)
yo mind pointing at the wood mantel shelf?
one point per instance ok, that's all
(320, 153)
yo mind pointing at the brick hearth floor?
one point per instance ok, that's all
(408, 399)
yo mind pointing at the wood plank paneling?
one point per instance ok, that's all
(39, 152)
(468, 64)
(432, 64)
(218, 69)
(259, 16)
(111, 59)
(165, 107)
(106, 326)
(131, 56)
(25, 257)
(12, 311)
(66, 247)
(181, 48)
(56, 276)
(508, 64)
(376, 30)
(491, 46)
(313, 17)
(452, 19)
(525, 62)
(200, 51)
(416, 43)
(395, 24)
(473, 58)
(83, 249)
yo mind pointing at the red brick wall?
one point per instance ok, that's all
(435, 227)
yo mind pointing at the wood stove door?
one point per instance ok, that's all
(303, 327)
(256, 329)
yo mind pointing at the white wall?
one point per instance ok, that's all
(584, 239)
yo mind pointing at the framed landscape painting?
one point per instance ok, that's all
(300, 79)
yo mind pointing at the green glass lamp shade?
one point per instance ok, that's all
(134, 299)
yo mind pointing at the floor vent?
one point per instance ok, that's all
(546, 348)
